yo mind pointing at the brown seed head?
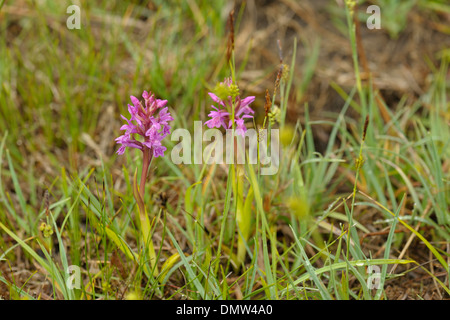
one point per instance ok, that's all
(230, 43)
(366, 124)
(268, 103)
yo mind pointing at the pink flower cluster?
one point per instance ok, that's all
(222, 117)
(146, 122)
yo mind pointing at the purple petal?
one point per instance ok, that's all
(247, 101)
(159, 151)
(135, 101)
(146, 95)
(240, 127)
(212, 123)
(245, 110)
(121, 150)
(161, 103)
(164, 116)
(216, 99)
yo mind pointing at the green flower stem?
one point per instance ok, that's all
(143, 216)
(145, 165)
